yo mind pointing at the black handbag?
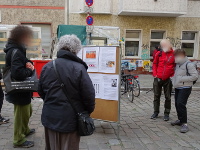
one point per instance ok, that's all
(30, 84)
(85, 122)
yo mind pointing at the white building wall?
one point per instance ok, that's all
(193, 9)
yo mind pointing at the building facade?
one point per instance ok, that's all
(47, 14)
(146, 22)
(141, 23)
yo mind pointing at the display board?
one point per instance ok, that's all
(104, 71)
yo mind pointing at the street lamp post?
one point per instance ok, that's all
(67, 12)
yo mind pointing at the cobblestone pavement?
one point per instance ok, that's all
(137, 131)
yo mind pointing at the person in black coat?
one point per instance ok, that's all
(58, 116)
(21, 68)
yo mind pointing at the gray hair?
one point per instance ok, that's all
(69, 42)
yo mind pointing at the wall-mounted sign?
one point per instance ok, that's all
(89, 2)
(89, 20)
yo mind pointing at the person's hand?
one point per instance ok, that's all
(30, 66)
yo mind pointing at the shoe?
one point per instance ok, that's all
(26, 144)
(154, 116)
(32, 131)
(176, 123)
(166, 118)
(4, 120)
(184, 128)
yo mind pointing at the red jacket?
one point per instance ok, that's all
(164, 64)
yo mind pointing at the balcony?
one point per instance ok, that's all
(164, 8)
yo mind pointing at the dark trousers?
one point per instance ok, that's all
(157, 87)
(1, 98)
(181, 98)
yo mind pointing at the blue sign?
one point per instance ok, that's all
(89, 2)
(89, 20)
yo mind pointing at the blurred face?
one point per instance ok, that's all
(179, 58)
(165, 46)
(27, 40)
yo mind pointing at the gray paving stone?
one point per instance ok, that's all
(114, 142)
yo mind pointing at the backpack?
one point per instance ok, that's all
(188, 74)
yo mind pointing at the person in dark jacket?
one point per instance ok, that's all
(2, 119)
(21, 68)
(163, 70)
(58, 116)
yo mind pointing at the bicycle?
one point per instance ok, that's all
(130, 86)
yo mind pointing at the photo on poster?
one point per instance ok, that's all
(107, 59)
(91, 58)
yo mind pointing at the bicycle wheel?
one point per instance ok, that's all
(136, 89)
(130, 94)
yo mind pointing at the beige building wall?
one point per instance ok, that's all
(19, 15)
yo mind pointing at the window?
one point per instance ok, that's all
(133, 43)
(156, 37)
(190, 43)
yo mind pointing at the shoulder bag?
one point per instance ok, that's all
(30, 84)
(85, 122)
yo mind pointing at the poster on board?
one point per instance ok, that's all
(91, 57)
(97, 83)
(105, 85)
(107, 59)
(110, 87)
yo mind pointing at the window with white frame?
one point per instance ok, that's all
(133, 43)
(190, 43)
(156, 37)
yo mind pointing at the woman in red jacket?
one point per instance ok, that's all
(163, 69)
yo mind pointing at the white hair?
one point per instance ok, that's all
(69, 42)
(166, 41)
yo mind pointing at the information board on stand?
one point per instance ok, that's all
(104, 71)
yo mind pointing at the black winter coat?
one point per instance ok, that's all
(57, 113)
(18, 71)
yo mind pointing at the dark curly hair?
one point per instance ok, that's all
(18, 33)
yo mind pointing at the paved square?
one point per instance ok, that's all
(137, 131)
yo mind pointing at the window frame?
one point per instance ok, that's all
(156, 40)
(195, 41)
(133, 39)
